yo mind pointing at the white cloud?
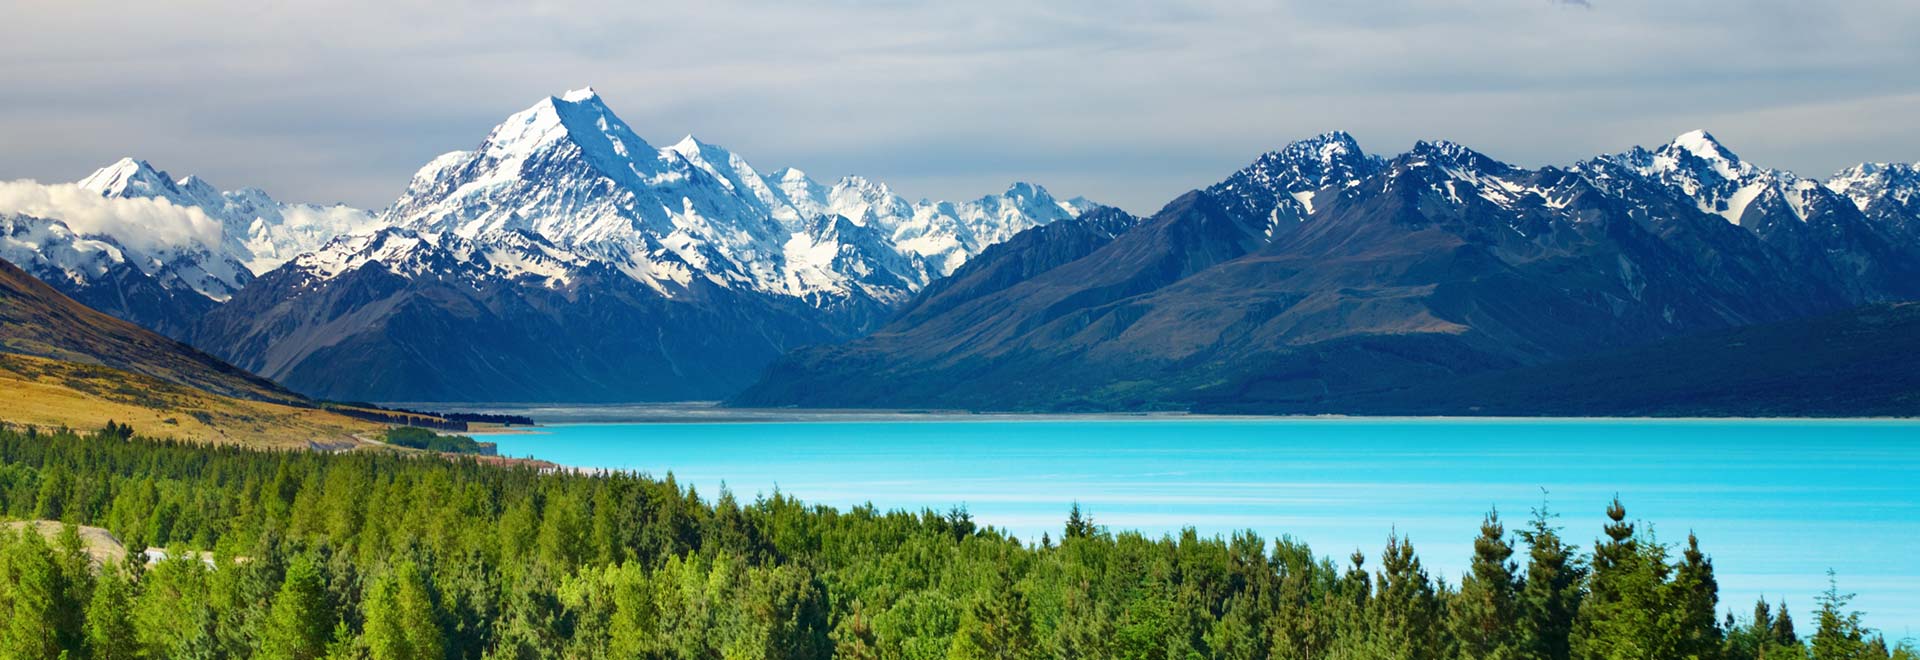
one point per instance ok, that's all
(327, 219)
(1130, 102)
(149, 226)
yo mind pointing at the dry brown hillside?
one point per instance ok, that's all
(53, 393)
(64, 364)
(38, 321)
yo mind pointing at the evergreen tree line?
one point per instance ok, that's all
(383, 556)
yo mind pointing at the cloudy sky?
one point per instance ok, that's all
(1126, 102)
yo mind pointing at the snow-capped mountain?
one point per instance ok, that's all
(104, 274)
(1718, 181)
(177, 243)
(136, 243)
(593, 265)
(1281, 186)
(1321, 279)
(570, 171)
(567, 258)
(256, 230)
(1820, 228)
(1885, 192)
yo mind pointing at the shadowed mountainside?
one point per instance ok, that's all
(1320, 274)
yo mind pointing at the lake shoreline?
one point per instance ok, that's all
(710, 413)
(1339, 482)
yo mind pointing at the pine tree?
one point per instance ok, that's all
(1877, 649)
(1486, 613)
(1079, 526)
(1747, 640)
(1551, 595)
(1840, 635)
(301, 621)
(1776, 639)
(853, 638)
(995, 628)
(342, 645)
(402, 621)
(1620, 616)
(109, 628)
(564, 529)
(1306, 608)
(173, 614)
(1356, 586)
(793, 606)
(1692, 599)
(1407, 610)
(36, 602)
(1783, 630)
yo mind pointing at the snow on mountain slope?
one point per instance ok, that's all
(1281, 187)
(1840, 234)
(1868, 182)
(573, 173)
(49, 249)
(511, 255)
(1885, 192)
(139, 244)
(256, 229)
(109, 276)
(1718, 181)
(177, 245)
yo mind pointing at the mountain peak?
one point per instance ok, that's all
(579, 117)
(695, 149)
(1442, 148)
(1867, 183)
(573, 110)
(128, 177)
(1704, 146)
(1453, 156)
(1332, 158)
(1332, 142)
(1025, 190)
(1862, 170)
(1325, 149)
(857, 182)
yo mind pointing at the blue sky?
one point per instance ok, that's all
(1125, 102)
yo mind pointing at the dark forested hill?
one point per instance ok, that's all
(1863, 362)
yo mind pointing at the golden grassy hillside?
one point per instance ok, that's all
(39, 321)
(53, 393)
(64, 364)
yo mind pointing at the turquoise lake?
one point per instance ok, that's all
(1775, 503)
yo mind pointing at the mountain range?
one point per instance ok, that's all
(1321, 273)
(564, 258)
(135, 242)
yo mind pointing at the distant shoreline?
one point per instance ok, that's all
(711, 413)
